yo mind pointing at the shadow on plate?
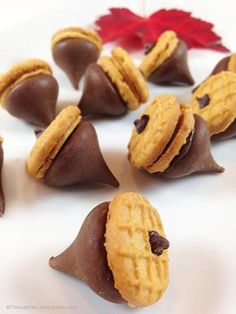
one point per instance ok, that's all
(197, 285)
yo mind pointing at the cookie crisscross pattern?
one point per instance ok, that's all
(163, 49)
(140, 276)
(221, 110)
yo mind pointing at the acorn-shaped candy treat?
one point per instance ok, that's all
(73, 49)
(2, 198)
(68, 152)
(168, 139)
(165, 63)
(113, 86)
(29, 91)
(215, 101)
(120, 252)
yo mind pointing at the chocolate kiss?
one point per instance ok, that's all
(2, 198)
(99, 95)
(34, 100)
(86, 257)
(198, 158)
(175, 70)
(73, 56)
(222, 65)
(80, 160)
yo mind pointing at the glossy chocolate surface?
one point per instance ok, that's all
(197, 158)
(175, 70)
(86, 257)
(80, 160)
(100, 97)
(34, 100)
(73, 56)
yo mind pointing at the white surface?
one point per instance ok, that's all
(199, 212)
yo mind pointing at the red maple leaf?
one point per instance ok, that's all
(134, 31)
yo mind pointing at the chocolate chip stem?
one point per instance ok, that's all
(140, 124)
(158, 243)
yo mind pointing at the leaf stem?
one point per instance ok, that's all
(144, 8)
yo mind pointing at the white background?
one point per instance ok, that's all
(199, 212)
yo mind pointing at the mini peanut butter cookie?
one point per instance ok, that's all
(166, 61)
(169, 135)
(73, 49)
(68, 152)
(79, 33)
(126, 77)
(215, 101)
(120, 252)
(153, 131)
(133, 77)
(29, 91)
(51, 140)
(159, 53)
(140, 275)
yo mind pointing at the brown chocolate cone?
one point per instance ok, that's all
(86, 257)
(73, 56)
(34, 100)
(2, 198)
(197, 158)
(222, 65)
(80, 160)
(230, 132)
(100, 97)
(175, 70)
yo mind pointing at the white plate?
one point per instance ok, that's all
(198, 212)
